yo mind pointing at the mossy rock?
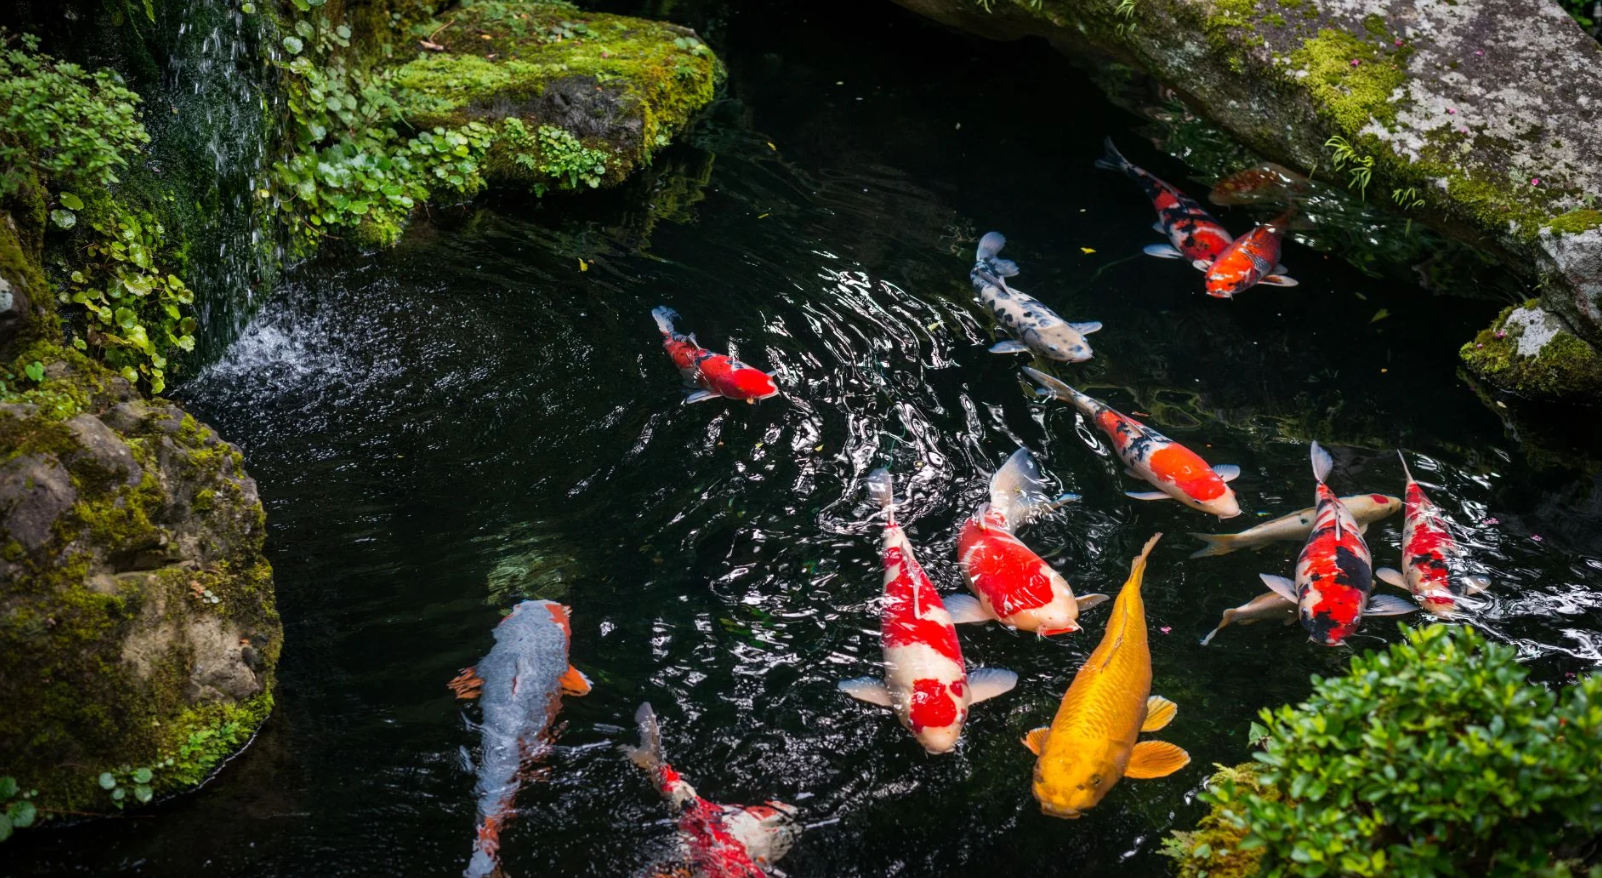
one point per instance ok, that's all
(1530, 351)
(138, 633)
(568, 90)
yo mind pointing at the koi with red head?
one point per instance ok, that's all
(1250, 260)
(1197, 237)
(1429, 553)
(926, 682)
(717, 375)
(1011, 584)
(716, 840)
(1176, 471)
(1334, 573)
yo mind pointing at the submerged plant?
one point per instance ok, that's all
(1360, 167)
(1436, 757)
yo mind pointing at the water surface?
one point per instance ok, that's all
(486, 414)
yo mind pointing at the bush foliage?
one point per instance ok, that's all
(1436, 757)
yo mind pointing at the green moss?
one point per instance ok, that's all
(1566, 366)
(200, 738)
(1575, 221)
(1375, 25)
(1275, 19)
(1213, 849)
(1348, 94)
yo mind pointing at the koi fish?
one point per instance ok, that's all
(1013, 585)
(1365, 508)
(925, 683)
(719, 841)
(1265, 606)
(1428, 549)
(717, 374)
(1259, 183)
(1038, 327)
(1090, 745)
(1197, 237)
(1334, 574)
(519, 686)
(1175, 470)
(1250, 260)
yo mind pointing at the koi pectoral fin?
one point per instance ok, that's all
(467, 685)
(1475, 584)
(1159, 712)
(1152, 759)
(1009, 347)
(1086, 601)
(573, 682)
(1035, 740)
(1390, 576)
(700, 396)
(1163, 251)
(866, 689)
(1147, 495)
(1086, 328)
(986, 683)
(966, 610)
(1388, 605)
(1227, 471)
(1278, 280)
(1281, 586)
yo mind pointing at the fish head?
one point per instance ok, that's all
(1058, 342)
(1058, 616)
(939, 739)
(1067, 786)
(754, 384)
(1210, 494)
(1325, 630)
(767, 831)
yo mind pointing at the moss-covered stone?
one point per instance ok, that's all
(569, 91)
(137, 623)
(1529, 351)
(1212, 849)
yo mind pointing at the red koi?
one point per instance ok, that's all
(716, 374)
(1196, 236)
(1252, 259)
(1175, 470)
(1334, 573)
(926, 682)
(1429, 552)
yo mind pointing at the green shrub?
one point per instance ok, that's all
(1436, 757)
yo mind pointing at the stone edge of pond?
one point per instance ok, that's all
(1468, 118)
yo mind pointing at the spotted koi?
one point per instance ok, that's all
(1334, 573)
(1038, 328)
(926, 682)
(1429, 552)
(1196, 237)
(717, 375)
(1175, 470)
(1250, 260)
(716, 840)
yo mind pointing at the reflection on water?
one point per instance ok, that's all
(473, 419)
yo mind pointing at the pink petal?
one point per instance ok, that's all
(1166, 628)
(1489, 521)
(1536, 537)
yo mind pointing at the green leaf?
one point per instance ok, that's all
(142, 776)
(143, 793)
(118, 794)
(303, 5)
(108, 782)
(248, 8)
(22, 813)
(71, 201)
(8, 787)
(64, 219)
(35, 371)
(293, 45)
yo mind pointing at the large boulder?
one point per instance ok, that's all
(1483, 119)
(138, 634)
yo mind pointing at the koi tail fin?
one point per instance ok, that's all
(987, 266)
(1215, 544)
(648, 756)
(882, 491)
(1051, 387)
(1112, 159)
(1405, 471)
(486, 860)
(1017, 490)
(1322, 462)
(664, 318)
(1137, 569)
(989, 246)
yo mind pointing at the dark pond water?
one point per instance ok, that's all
(471, 419)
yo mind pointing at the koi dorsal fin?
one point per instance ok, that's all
(467, 685)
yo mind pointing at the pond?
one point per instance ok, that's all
(486, 414)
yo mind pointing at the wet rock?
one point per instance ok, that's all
(579, 99)
(1530, 351)
(132, 581)
(1481, 118)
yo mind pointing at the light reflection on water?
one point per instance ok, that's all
(470, 420)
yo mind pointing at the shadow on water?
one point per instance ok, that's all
(486, 413)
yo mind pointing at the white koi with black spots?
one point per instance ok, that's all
(1038, 328)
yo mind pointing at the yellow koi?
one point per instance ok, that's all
(1091, 744)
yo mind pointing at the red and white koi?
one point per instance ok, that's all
(1011, 584)
(1334, 573)
(1429, 552)
(1175, 470)
(1197, 237)
(716, 374)
(925, 682)
(519, 685)
(718, 841)
(1250, 260)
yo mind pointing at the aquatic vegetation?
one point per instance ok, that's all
(1437, 756)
